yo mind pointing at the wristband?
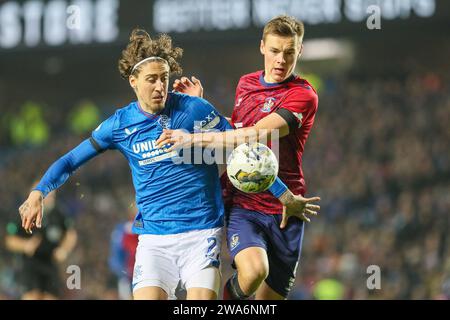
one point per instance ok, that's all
(278, 188)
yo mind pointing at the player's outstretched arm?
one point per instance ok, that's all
(265, 130)
(31, 211)
(298, 206)
(191, 87)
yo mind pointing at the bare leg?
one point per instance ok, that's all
(150, 293)
(252, 267)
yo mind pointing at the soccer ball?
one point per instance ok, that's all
(252, 168)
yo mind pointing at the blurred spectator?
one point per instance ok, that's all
(29, 128)
(84, 117)
(42, 251)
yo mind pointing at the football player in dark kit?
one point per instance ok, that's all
(42, 251)
(264, 243)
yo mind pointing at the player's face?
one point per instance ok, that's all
(280, 56)
(151, 85)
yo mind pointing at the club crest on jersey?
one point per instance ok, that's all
(299, 117)
(234, 241)
(268, 104)
(164, 121)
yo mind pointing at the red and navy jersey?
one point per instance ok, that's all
(255, 99)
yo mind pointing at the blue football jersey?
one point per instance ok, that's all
(171, 197)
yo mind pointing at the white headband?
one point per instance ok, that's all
(145, 60)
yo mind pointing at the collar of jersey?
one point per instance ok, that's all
(266, 84)
(152, 116)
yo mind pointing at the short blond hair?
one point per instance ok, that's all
(284, 26)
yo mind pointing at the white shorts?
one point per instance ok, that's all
(168, 260)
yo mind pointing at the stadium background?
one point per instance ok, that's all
(377, 155)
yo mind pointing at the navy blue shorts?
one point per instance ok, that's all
(247, 228)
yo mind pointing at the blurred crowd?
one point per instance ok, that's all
(377, 155)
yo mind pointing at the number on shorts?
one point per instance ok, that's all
(212, 244)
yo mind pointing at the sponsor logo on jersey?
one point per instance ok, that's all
(150, 153)
(211, 120)
(144, 146)
(268, 104)
(238, 103)
(234, 241)
(151, 158)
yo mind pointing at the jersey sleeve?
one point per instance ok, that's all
(102, 136)
(205, 117)
(297, 106)
(63, 168)
(237, 100)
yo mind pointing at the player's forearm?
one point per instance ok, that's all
(280, 191)
(287, 197)
(55, 176)
(62, 169)
(231, 138)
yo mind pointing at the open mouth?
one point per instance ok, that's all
(278, 71)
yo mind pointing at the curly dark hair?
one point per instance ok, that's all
(142, 46)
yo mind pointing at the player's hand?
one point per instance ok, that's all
(298, 206)
(32, 211)
(191, 87)
(177, 139)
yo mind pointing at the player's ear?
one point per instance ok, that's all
(300, 51)
(133, 82)
(261, 46)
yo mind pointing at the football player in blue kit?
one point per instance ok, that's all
(180, 208)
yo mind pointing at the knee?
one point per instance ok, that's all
(254, 273)
(253, 266)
